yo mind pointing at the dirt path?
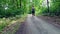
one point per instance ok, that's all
(34, 25)
(21, 29)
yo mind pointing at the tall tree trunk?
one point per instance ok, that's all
(20, 3)
(48, 5)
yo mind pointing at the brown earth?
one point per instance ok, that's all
(53, 20)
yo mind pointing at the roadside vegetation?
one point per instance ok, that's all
(11, 12)
(10, 25)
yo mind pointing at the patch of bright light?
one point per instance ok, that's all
(6, 8)
(44, 4)
(30, 0)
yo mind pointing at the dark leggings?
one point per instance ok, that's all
(33, 12)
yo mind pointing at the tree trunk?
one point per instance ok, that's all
(48, 5)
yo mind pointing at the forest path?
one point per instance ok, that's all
(34, 25)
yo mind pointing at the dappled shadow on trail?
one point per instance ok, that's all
(21, 29)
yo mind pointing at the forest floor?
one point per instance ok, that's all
(13, 25)
(53, 20)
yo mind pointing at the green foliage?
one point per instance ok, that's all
(10, 8)
(54, 8)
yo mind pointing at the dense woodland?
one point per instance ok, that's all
(11, 8)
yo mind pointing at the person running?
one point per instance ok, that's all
(33, 10)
